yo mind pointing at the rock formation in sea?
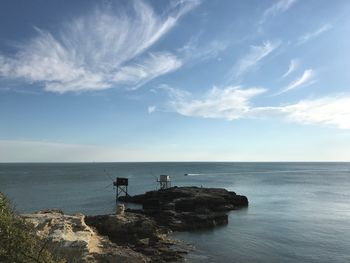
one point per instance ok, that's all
(188, 208)
(137, 235)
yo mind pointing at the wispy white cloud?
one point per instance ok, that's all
(275, 9)
(331, 111)
(151, 109)
(154, 65)
(98, 51)
(174, 93)
(194, 51)
(228, 103)
(293, 65)
(254, 56)
(309, 36)
(305, 80)
(233, 103)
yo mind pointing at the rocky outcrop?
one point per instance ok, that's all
(69, 237)
(139, 232)
(136, 235)
(188, 208)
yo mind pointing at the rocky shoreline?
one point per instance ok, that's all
(137, 235)
(73, 240)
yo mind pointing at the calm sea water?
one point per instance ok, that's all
(298, 212)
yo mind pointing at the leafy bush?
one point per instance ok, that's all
(18, 240)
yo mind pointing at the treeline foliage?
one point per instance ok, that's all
(18, 240)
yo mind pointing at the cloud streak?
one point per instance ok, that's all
(330, 111)
(293, 65)
(255, 55)
(304, 80)
(275, 9)
(232, 103)
(154, 65)
(194, 51)
(229, 103)
(309, 36)
(101, 50)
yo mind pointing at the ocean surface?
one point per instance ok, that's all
(298, 212)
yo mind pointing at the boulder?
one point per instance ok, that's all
(139, 232)
(120, 209)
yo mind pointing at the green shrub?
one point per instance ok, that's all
(18, 240)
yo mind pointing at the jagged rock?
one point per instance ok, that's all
(139, 232)
(127, 229)
(75, 241)
(188, 208)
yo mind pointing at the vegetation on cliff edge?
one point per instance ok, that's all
(18, 240)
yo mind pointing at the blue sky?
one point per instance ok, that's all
(174, 80)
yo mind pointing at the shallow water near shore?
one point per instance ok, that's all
(298, 212)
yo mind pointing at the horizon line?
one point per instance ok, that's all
(97, 162)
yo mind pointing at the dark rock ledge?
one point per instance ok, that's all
(188, 208)
(139, 233)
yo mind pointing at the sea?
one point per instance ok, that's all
(298, 212)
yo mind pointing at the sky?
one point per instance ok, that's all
(177, 80)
